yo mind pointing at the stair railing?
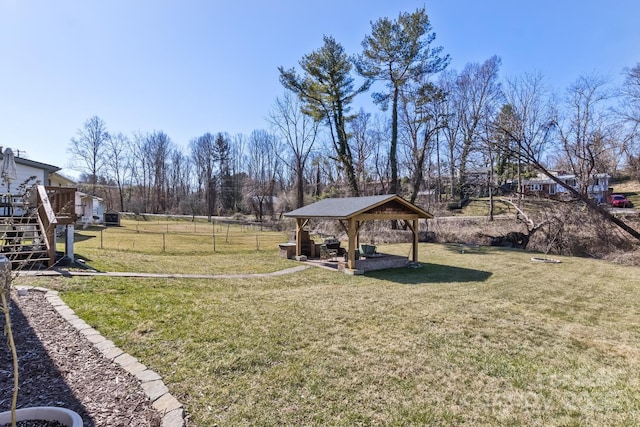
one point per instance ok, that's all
(47, 218)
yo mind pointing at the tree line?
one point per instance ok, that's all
(434, 128)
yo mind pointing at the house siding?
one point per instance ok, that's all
(25, 172)
(545, 187)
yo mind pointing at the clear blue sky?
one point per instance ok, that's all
(189, 67)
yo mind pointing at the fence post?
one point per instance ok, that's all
(164, 241)
(257, 243)
(101, 230)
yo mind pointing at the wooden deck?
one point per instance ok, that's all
(28, 222)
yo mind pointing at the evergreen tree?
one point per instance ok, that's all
(398, 52)
(326, 89)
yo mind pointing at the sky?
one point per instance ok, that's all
(187, 67)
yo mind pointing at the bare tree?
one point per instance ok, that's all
(212, 159)
(201, 156)
(178, 183)
(158, 147)
(139, 178)
(118, 162)
(299, 132)
(88, 148)
(630, 92)
(421, 119)
(527, 114)
(478, 94)
(232, 194)
(451, 111)
(586, 132)
(263, 165)
(364, 145)
(629, 111)
(380, 164)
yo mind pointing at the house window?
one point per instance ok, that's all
(552, 188)
(535, 187)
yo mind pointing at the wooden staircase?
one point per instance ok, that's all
(28, 240)
(24, 241)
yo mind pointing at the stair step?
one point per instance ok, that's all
(22, 241)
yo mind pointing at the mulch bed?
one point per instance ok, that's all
(59, 367)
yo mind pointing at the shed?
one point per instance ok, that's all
(112, 218)
(351, 212)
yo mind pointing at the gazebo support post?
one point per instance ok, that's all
(413, 225)
(415, 240)
(300, 224)
(352, 231)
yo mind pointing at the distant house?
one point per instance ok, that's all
(544, 186)
(89, 209)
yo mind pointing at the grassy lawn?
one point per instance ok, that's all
(481, 338)
(169, 246)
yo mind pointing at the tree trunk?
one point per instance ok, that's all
(393, 147)
(299, 187)
(592, 204)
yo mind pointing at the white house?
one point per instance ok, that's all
(28, 171)
(89, 209)
(543, 185)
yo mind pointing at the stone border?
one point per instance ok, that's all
(162, 401)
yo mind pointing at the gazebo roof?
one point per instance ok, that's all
(383, 206)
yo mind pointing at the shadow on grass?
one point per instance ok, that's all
(430, 273)
(470, 249)
(79, 256)
(80, 237)
(41, 382)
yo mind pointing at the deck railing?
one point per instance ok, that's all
(48, 221)
(62, 200)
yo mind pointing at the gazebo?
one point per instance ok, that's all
(351, 212)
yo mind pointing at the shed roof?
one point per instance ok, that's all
(348, 207)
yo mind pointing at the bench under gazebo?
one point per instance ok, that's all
(351, 213)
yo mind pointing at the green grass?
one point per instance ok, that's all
(481, 338)
(480, 207)
(166, 246)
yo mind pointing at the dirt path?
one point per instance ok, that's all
(78, 273)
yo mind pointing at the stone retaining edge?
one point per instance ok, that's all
(165, 403)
